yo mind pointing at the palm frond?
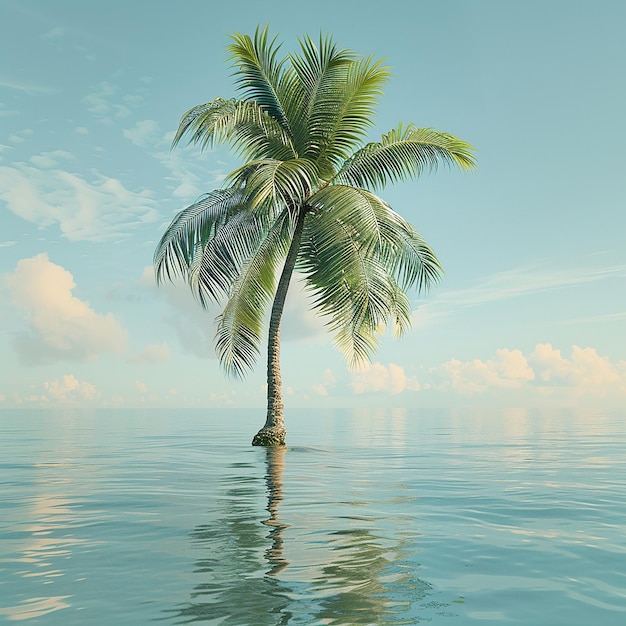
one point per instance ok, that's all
(221, 256)
(239, 327)
(351, 205)
(399, 246)
(206, 122)
(407, 255)
(399, 308)
(179, 244)
(259, 71)
(403, 153)
(350, 285)
(284, 183)
(345, 110)
(243, 124)
(320, 70)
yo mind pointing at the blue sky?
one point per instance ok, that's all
(532, 309)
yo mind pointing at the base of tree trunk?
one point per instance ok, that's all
(273, 436)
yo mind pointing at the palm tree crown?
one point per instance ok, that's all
(304, 199)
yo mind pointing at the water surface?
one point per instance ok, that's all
(399, 517)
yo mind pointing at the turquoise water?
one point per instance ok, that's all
(400, 517)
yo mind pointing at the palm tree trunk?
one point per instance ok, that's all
(273, 433)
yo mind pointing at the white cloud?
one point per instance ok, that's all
(64, 391)
(328, 382)
(109, 103)
(586, 369)
(6, 244)
(147, 278)
(188, 172)
(32, 399)
(378, 378)
(509, 369)
(152, 354)
(221, 399)
(141, 386)
(60, 325)
(100, 102)
(70, 389)
(187, 166)
(51, 159)
(144, 133)
(101, 209)
(543, 373)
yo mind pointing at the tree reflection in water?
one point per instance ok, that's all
(368, 581)
(357, 574)
(274, 482)
(239, 588)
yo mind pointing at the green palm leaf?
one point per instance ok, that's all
(395, 241)
(344, 112)
(259, 71)
(175, 252)
(220, 258)
(402, 153)
(320, 71)
(350, 284)
(284, 183)
(240, 324)
(244, 124)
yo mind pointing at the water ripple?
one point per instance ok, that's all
(399, 518)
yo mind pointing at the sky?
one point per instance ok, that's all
(531, 311)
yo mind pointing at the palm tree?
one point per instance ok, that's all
(303, 200)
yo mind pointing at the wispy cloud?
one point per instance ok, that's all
(513, 283)
(145, 133)
(101, 101)
(4, 112)
(109, 103)
(58, 32)
(47, 160)
(187, 166)
(99, 209)
(598, 319)
(152, 353)
(26, 87)
(327, 383)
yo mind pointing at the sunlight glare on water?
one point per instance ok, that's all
(368, 517)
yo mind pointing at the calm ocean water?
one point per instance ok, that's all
(381, 517)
